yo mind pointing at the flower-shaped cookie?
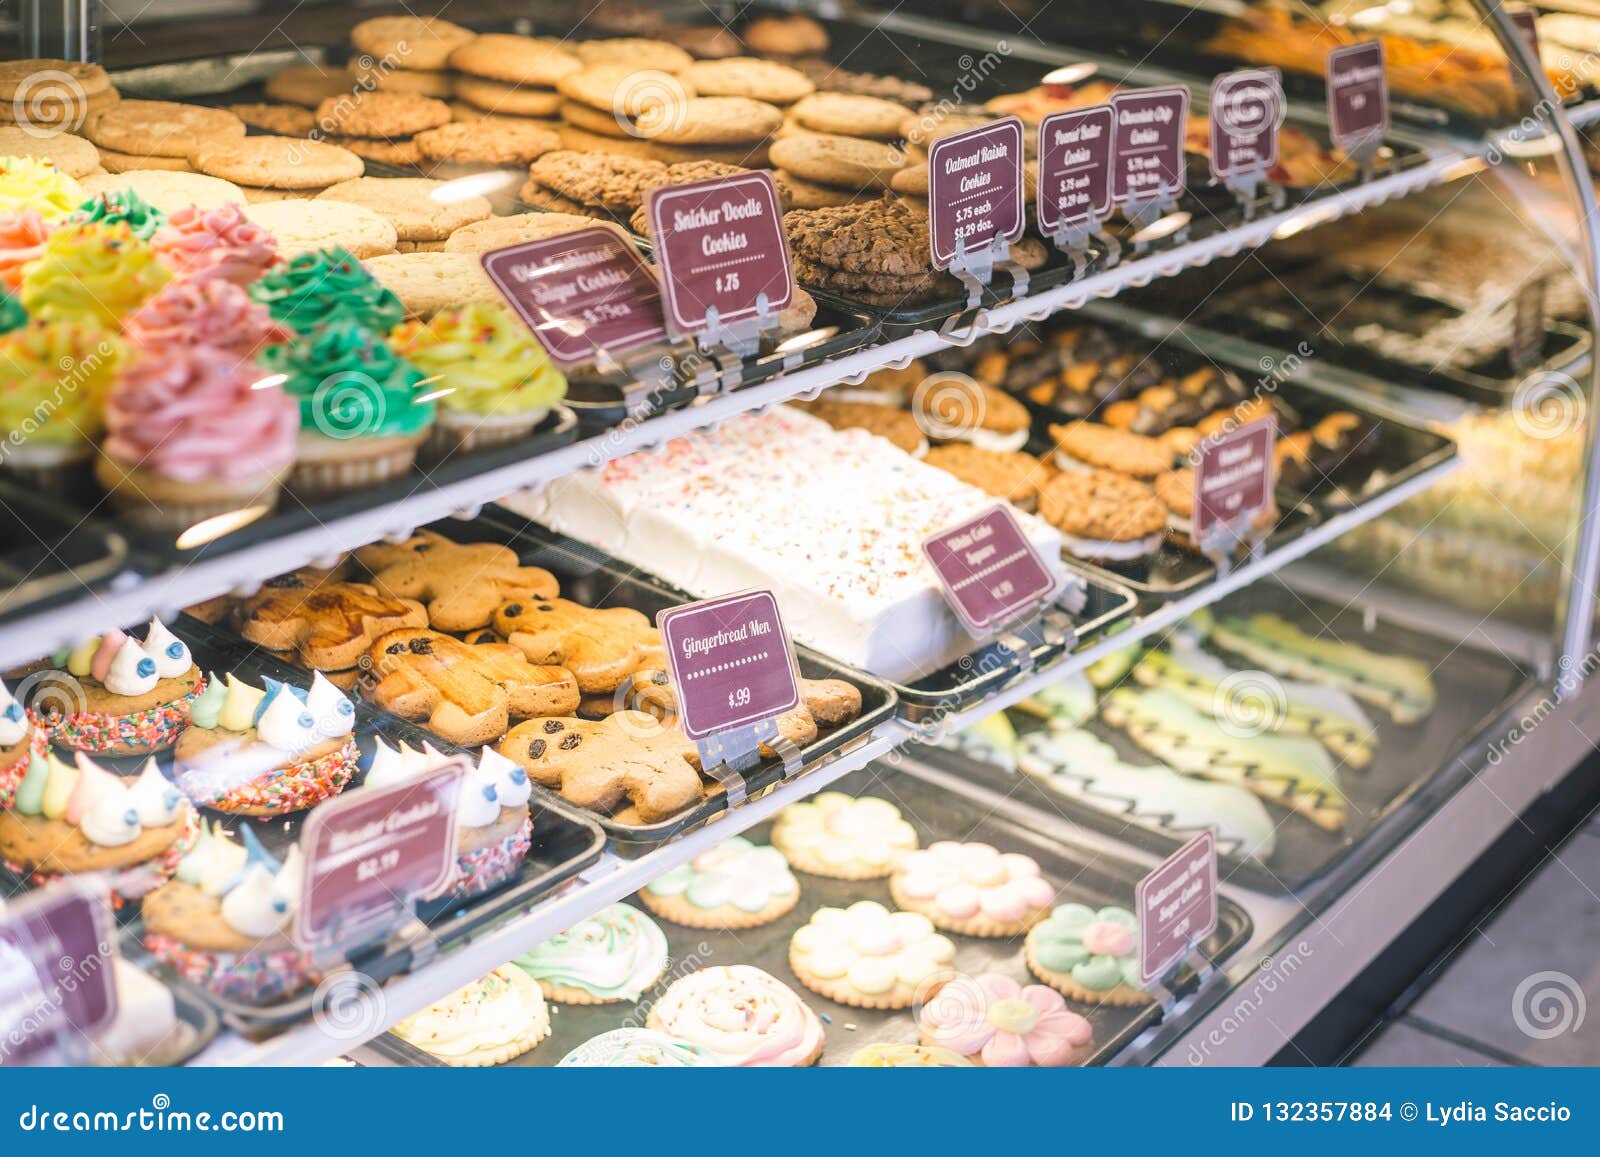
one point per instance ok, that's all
(1089, 955)
(734, 885)
(972, 889)
(993, 1020)
(836, 835)
(870, 957)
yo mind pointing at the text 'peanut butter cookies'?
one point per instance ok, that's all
(460, 584)
(466, 693)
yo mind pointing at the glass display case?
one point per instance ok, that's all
(1355, 689)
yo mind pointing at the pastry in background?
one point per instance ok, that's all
(734, 885)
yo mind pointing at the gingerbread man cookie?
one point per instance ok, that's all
(600, 647)
(599, 763)
(461, 584)
(464, 693)
(327, 625)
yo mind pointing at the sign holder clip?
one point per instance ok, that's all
(647, 375)
(1074, 241)
(1146, 211)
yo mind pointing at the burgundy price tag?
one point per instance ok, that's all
(975, 189)
(370, 854)
(722, 249)
(1074, 168)
(1245, 110)
(56, 976)
(1358, 93)
(1233, 476)
(730, 661)
(580, 293)
(1148, 129)
(1177, 906)
(989, 570)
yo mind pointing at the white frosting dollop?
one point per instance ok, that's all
(388, 767)
(155, 798)
(335, 715)
(168, 652)
(132, 672)
(478, 805)
(254, 906)
(510, 781)
(13, 719)
(213, 863)
(112, 820)
(287, 723)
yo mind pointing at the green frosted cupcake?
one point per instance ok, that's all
(327, 286)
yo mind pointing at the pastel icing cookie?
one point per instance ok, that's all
(870, 957)
(734, 885)
(1088, 955)
(973, 889)
(992, 1020)
(893, 1056)
(742, 1016)
(636, 1048)
(615, 955)
(489, 1022)
(841, 837)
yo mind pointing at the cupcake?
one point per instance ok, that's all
(494, 380)
(120, 207)
(489, 1022)
(19, 741)
(972, 889)
(266, 752)
(29, 183)
(221, 244)
(12, 315)
(362, 416)
(223, 922)
(127, 697)
(193, 433)
(326, 286)
(52, 428)
(734, 885)
(69, 820)
(96, 274)
(494, 828)
(23, 233)
(742, 1016)
(636, 1048)
(204, 311)
(1089, 955)
(618, 954)
(992, 1020)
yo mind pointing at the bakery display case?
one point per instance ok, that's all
(315, 512)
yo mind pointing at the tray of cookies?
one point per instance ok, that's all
(1292, 755)
(841, 918)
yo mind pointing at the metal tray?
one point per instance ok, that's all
(595, 579)
(937, 813)
(1473, 686)
(49, 556)
(566, 839)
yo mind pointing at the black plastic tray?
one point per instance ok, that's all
(48, 555)
(936, 812)
(1473, 688)
(566, 839)
(595, 579)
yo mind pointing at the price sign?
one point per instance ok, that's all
(1245, 110)
(722, 250)
(1527, 326)
(580, 293)
(1148, 129)
(1233, 477)
(373, 853)
(1358, 94)
(56, 979)
(975, 190)
(989, 570)
(1074, 168)
(1177, 906)
(730, 662)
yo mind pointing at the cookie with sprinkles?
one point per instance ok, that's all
(19, 739)
(266, 751)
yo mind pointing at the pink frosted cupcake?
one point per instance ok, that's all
(22, 238)
(204, 311)
(221, 243)
(190, 438)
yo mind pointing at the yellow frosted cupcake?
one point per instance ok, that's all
(30, 183)
(91, 273)
(493, 380)
(53, 381)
